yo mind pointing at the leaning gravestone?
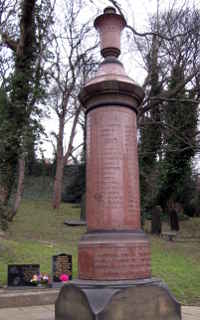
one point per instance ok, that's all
(20, 275)
(61, 264)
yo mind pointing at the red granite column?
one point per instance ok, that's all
(114, 247)
(114, 259)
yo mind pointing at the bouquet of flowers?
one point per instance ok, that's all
(39, 279)
(64, 277)
(34, 280)
(44, 279)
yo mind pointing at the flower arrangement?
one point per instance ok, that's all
(34, 280)
(44, 279)
(64, 277)
(39, 279)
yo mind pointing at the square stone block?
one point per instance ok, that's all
(137, 300)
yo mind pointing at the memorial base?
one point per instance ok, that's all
(114, 255)
(147, 299)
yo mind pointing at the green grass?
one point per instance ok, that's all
(180, 270)
(38, 232)
(40, 187)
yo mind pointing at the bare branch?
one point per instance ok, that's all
(145, 34)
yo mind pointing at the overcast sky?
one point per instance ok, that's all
(136, 13)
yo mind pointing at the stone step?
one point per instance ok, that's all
(190, 313)
(17, 299)
(27, 297)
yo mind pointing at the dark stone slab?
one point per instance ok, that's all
(156, 223)
(61, 264)
(20, 275)
(147, 299)
(75, 223)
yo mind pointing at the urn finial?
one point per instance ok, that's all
(109, 25)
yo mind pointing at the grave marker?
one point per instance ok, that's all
(61, 264)
(114, 273)
(20, 275)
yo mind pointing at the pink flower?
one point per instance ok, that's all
(64, 277)
(35, 279)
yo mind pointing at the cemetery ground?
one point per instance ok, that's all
(38, 232)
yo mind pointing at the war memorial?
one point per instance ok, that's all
(114, 280)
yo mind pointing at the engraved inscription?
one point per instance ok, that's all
(121, 260)
(117, 262)
(112, 175)
(62, 264)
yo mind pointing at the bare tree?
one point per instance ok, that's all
(72, 64)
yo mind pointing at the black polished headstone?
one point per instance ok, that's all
(61, 264)
(20, 275)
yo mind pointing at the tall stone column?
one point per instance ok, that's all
(114, 255)
(114, 247)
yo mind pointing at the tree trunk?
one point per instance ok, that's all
(62, 159)
(20, 187)
(18, 113)
(7, 179)
(58, 183)
(59, 165)
(73, 133)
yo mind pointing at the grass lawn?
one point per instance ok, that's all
(38, 232)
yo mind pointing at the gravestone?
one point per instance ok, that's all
(20, 275)
(156, 223)
(61, 264)
(173, 218)
(82, 221)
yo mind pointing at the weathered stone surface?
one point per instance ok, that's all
(112, 170)
(139, 300)
(72, 304)
(12, 298)
(109, 26)
(114, 248)
(146, 303)
(111, 99)
(114, 256)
